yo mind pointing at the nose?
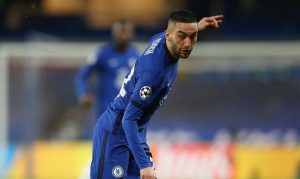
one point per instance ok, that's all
(187, 43)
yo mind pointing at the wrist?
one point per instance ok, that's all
(145, 165)
(201, 28)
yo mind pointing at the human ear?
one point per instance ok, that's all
(167, 34)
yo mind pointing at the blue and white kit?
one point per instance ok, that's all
(119, 143)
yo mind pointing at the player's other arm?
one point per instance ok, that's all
(81, 81)
(136, 108)
(130, 127)
(212, 21)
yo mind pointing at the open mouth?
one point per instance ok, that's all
(185, 51)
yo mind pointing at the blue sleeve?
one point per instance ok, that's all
(156, 36)
(81, 81)
(146, 88)
(130, 127)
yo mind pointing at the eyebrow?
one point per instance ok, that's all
(187, 33)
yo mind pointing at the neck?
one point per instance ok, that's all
(121, 47)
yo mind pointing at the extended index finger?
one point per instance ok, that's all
(218, 17)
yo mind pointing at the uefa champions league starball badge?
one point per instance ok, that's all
(145, 92)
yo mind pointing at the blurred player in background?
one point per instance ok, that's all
(119, 144)
(110, 63)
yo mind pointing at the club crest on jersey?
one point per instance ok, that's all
(118, 171)
(145, 92)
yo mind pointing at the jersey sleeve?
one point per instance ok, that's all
(81, 81)
(146, 89)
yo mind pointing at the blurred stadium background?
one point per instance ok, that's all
(233, 113)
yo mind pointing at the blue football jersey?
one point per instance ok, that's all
(111, 66)
(144, 89)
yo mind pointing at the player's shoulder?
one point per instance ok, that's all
(107, 47)
(154, 44)
(152, 58)
(101, 50)
(150, 76)
(100, 53)
(155, 49)
(148, 69)
(157, 36)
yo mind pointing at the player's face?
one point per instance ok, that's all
(182, 39)
(123, 35)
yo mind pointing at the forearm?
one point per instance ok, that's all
(129, 123)
(81, 81)
(132, 134)
(201, 28)
(212, 21)
(81, 87)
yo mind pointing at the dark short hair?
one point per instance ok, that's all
(182, 15)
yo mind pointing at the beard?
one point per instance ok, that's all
(180, 52)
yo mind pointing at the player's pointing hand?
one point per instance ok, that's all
(212, 21)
